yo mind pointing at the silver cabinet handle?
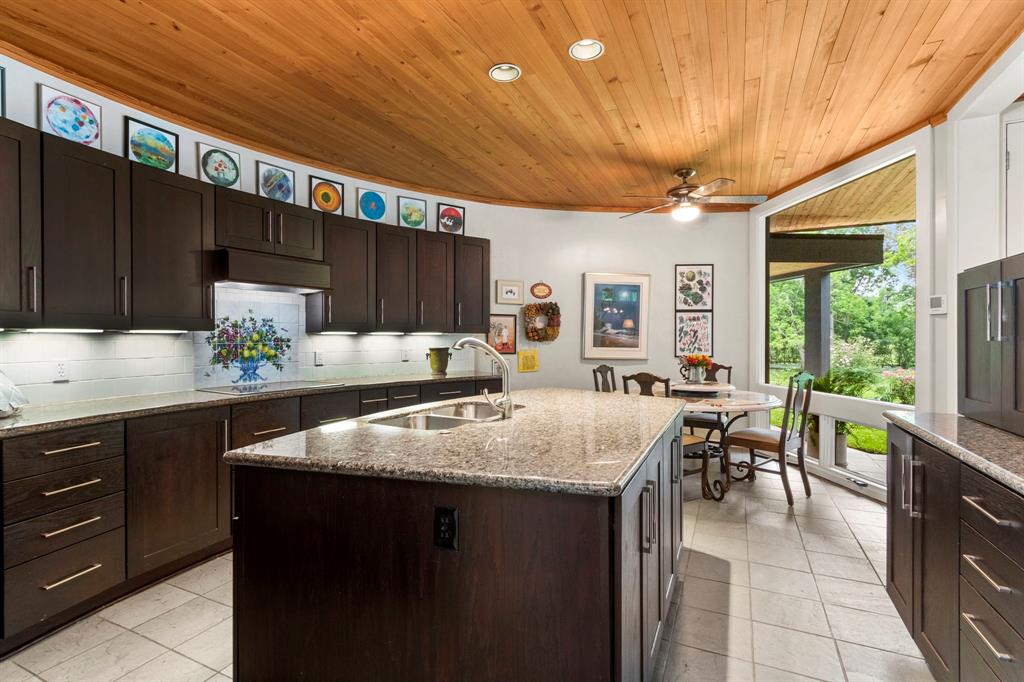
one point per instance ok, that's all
(904, 460)
(645, 523)
(458, 309)
(914, 466)
(334, 419)
(209, 294)
(971, 620)
(674, 461)
(124, 295)
(330, 308)
(375, 400)
(268, 230)
(421, 312)
(405, 397)
(988, 312)
(73, 526)
(34, 281)
(999, 314)
(654, 511)
(381, 312)
(71, 577)
(973, 561)
(973, 501)
(70, 448)
(280, 228)
(450, 393)
(76, 486)
(266, 431)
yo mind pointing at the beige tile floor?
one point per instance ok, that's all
(769, 593)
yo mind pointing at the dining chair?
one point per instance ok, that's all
(711, 422)
(605, 372)
(793, 435)
(646, 381)
(712, 373)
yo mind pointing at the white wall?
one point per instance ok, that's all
(527, 244)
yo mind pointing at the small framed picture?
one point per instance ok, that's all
(412, 212)
(695, 287)
(274, 182)
(150, 145)
(326, 195)
(501, 334)
(70, 117)
(451, 219)
(528, 360)
(218, 166)
(371, 203)
(694, 333)
(508, 291)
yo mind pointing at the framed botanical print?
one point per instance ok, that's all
(694, 333)
(501, 334)
(451, 219)
(509, 291)
(412, 212)
(150, 145)
(695, 287)
(275, 182)
(326, 195)
(615, 315)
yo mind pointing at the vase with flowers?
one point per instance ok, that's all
(248, 344)
(694, 367)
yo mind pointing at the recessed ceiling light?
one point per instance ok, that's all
(505, 73)
(586, 50)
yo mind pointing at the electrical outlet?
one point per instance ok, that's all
(406, 355)
(61, 373)
(446, 528)
(318, 358)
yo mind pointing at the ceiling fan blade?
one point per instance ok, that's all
(733, 199)
(713, 186)
(643, 196)
(646, 210)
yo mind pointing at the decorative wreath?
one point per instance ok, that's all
(548, 332)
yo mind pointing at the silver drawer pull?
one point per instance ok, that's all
(83, 446)
(450, 393)
(971, 618)
(375, 400)
(71, 577)
(973, 561)
(406, 397)
(76, 486)
(71, 527)
(335, 419)
(973, 501)
(263, 433)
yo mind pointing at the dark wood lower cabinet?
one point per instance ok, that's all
(328, 408)
(262, 420)
(899, 581)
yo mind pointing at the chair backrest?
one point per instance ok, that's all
(798, 400)
(646, 382)
(712, 374)
(606, 372)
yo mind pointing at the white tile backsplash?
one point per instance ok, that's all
(114, 364)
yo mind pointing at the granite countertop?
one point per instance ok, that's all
(563, 440)
(994, 452)
(64, 415)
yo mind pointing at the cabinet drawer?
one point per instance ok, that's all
(38, 454)
(493, 386)
(39, 589)
(373, 400)
(49, 492)
(994, 639)
(318, 410)
(48, 533)
(403, 396)
(447, 390)
(994, 511)
(260, 421)
(993, 575)
(973, 667)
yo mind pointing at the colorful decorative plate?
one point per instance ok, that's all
(219, 168)
(371, 204)
(71, 118)
(540, 290)
(152, 148)
(276, 184)
(450, 220)
(412, 215)
(326, 196)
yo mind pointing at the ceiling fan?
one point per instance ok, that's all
(687, 197)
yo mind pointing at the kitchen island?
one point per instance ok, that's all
(542, 547)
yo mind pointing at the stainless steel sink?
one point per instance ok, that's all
(475, 411)
(422, 422)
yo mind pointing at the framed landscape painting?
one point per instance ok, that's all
(694, 333)
(695, 287)
(615, 315)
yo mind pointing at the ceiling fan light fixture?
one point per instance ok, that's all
(586, 50)
(505, 73)
(685, 213)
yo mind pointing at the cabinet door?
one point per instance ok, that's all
(632, 515)
(179, 493)
(258, 421)
(1012, 307)
(396, 278)
(655, 576)
(298, 231)
(350, 248)
(86, 236)
(435, 282)
(20, 228)
(899, 573)
(172, 228)
(472, 285)
(979, 383)
(244, 221)
(935, 487)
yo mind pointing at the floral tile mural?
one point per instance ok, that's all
(248, 344)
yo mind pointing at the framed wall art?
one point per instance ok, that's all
(150, 145)
(695, 287)
(501, 333)
(508, 291)
(528, 360)
(694, 333)
(451, 219)
(221, 167)
(370, 204)
(615, 315)
(412, 212)
(326, 195)
(275, 182)
(70, 117)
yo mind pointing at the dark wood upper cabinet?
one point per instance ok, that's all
(20, 227)
(350, 305)
(1012, 362)
(298, 231)
(248, 221)
(435, 282)
(472, 284)
(396, 279)
(178, 486)
(172, 228)
(86, 237)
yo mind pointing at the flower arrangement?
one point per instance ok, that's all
(694, 367)
(697, 360)
(248, 344)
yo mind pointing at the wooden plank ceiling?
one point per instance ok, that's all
(768, 93)
(886, 196)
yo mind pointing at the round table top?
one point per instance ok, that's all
(734, 401)
(703, 387)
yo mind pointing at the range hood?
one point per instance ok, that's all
(267, 272)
